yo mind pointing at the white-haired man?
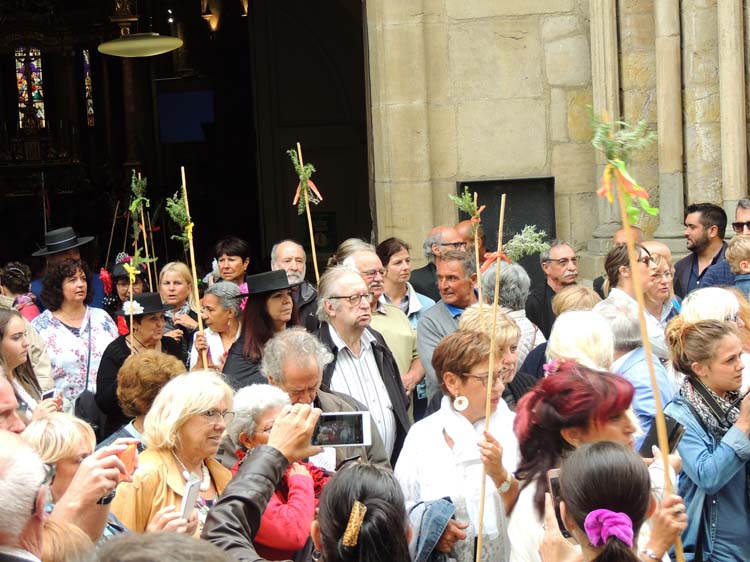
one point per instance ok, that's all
(291, 257)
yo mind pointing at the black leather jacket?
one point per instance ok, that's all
(234, 520)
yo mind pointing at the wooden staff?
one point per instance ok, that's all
(661, 425)
(130, 315)
(189, 231)
(112, 234)
(304, 189)
(145, 245)
(491, 374)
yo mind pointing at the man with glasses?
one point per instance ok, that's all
(440, 239)
(705, 225)
(721, 274)
(457, 278)
(23, 494)
(293, 360)
(560, 266)
(363, 365)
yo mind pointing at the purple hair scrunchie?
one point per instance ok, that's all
(601, 524)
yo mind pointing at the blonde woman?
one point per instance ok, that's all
(660, 300)
(182, 431)
(181, 321)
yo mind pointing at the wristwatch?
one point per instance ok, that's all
(505, 486)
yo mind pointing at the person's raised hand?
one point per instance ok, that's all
(491, 453)
(292, 432)
(46, 407)
(301, 469)
(554, 546)
(667, 522)
(168, 518)
(98, 475)
(453, 533)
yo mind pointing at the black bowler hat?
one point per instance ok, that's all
(267, 282)
(144, 303)
(61, 239)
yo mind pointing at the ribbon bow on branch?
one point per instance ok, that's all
(304, 172)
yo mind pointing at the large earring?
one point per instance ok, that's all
(460, 403)
(315, 555)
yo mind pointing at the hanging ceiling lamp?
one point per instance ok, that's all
(130, 45)
(140, 45)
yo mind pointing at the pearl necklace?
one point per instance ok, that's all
(205, 483)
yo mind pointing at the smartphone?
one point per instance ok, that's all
(128, 459)
(192, 489)
(675, 431)
(343, 429)
(49, 394)
(553, 484)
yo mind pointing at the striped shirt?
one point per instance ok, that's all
(359, 377)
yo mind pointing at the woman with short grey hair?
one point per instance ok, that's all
(285, 524)
(514, 289)
(221, 314)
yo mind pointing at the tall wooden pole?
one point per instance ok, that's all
(153, 250)
(189, 231)
(304, 189)
(111, 234)
(491, 374)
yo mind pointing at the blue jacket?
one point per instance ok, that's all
(711, 472)
(742, 282)
(429, 520)
(635, 370)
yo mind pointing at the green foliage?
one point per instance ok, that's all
(619, 139)
(175, 206)
(304, 173)
(465, 202)
(525, 243)
(138, 190)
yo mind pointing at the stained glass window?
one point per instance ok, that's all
(29, 83)
(88, 88)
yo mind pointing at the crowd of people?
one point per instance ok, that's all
(128, 433)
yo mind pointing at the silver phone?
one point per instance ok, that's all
(192, 489)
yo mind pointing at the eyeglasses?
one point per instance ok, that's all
(354, 300)
(739, 227)
(49, 477)
(667, 275)
(266, 430)
(214, 416)
(733, 318)
(372, 272)
(562, 262)
(455, 245)
(497, 379)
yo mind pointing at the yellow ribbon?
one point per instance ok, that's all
(189, 230)
(132, 271)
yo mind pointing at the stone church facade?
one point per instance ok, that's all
(467, 90)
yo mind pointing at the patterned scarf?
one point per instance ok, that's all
(717, 427)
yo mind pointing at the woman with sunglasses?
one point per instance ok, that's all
(715, 449)
(444, 454)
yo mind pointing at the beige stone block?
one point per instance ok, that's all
(555, 27)
(443, 151)
(639, 105)
(438, 81)
(502, 137)
(376, 63)
(638, 70)
(568, 61)
(563, 218)
(443, 210)
(636, 6)
(701, 67)
(700, 28)
(401, 11)
(702, 104)
(574, 168)
(495, 58)
(408, 143)
(582, 205)
(411, 215)
(579, 103)
(463, 9)
(558, 118)
(380, 154)
(383, 210)
(404, 63)
(637, 32)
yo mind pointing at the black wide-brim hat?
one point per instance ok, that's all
(119, 271)
(268, 282)
(61, 239)
(147, 303)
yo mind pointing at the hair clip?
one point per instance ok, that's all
(357, 515)
(552, 366)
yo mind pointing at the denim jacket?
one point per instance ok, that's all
(711, 472)
(429, 520)
(742, 282)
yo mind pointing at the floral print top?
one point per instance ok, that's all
(68, 349)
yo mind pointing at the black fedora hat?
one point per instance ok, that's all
(267, 282)
(144, 303)
(61, 239)
(119, 271)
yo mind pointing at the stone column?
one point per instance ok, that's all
(606, 92)
(732, 102)
(669, 123)
(130, 115)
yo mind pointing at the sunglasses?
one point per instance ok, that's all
(739, 227)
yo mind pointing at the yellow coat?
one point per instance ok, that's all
(156, 484)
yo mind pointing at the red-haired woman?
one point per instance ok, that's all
(269, 309)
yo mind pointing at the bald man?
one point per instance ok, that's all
(439, 240)
(466, 232)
